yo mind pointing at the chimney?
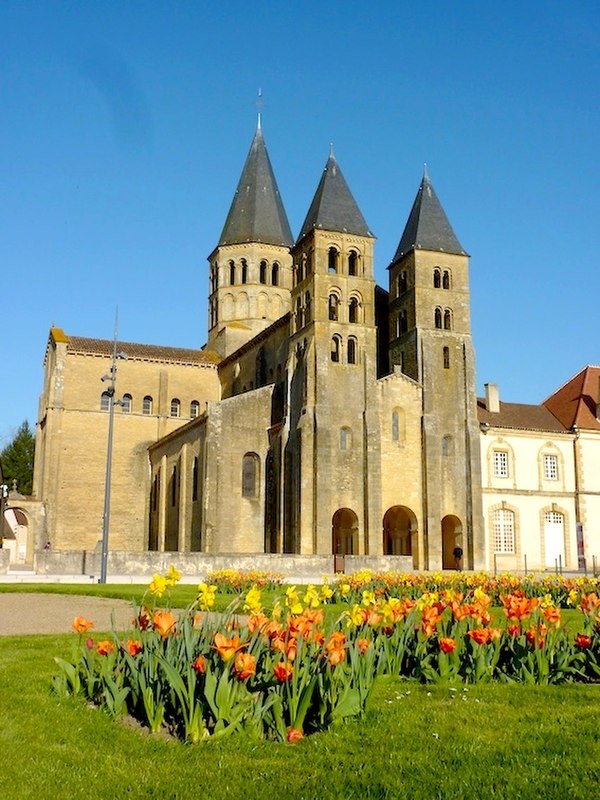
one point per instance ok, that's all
(492, 397)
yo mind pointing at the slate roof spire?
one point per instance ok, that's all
(257, 213)
(333, 207)
(428, 227)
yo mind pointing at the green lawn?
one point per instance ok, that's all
(415, 742)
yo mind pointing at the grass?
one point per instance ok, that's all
(414, 742)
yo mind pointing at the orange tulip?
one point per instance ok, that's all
(163, 623)
(590, 601)
(105, 648)
(363, 645)
(199, 665)
(283, 671)
(447, 645)
(81, 624)
(294, 735)
(481, 635)
(552, 616)
(244, 666)
(227, 648)
(134, 647)
(582, 641)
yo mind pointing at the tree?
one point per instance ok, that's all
(17, 460)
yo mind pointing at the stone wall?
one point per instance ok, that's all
(144, 565)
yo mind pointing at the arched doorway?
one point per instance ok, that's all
(344, 532)
(452, 535)
(16, 534)
(399, 528)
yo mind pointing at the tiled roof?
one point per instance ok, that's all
(257, 213)
(520, 416)
(333, 207)
(427, 227)
(575, 402)
(141, 352)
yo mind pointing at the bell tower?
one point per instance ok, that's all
(250, 269)
(430, 339)
(332, 365)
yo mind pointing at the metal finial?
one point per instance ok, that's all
(425, 173)
(331, 155)
(259, 107)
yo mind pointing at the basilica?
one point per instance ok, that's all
(326, 415)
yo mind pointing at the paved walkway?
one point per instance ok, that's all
(27, 613)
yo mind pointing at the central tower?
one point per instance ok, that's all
(332, 365)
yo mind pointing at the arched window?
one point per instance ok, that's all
(194, 409)
(437, 278)
(403, 319)
(263, 272)
(105, 401)
(127, 403)
(250, 469)
(345, 438)
(438, 317)
(275, 274)
(334, 302)
(307, 307)
(147, 405)
(308, 264)
(231, 273)
(299, 322)
(446, 279)
(402, 282)
(195, 474)
(504, 531)
(335, 349)
(448, 320)
(446, 357)
(174, 479)
(398, 425)
(352, 262)
(175, 407)
(244, 271)
(352, 350)
(332, 260)
(353, 310)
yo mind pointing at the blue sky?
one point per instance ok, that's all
(125, 126)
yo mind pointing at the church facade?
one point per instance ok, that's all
(324, 416)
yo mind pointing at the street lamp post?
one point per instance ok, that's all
(111, 377)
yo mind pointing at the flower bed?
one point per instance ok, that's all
(285, 674)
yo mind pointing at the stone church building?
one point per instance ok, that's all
(325, 415)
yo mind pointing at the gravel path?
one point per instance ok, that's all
(24, 612)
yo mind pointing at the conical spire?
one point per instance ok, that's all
(333, 207)
(428, 227)
(257, 213)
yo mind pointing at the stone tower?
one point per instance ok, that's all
(430, 339)
(250, 269)
(332, 368)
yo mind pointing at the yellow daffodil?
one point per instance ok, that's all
(253, 604)
(311, 597)
(206, 596)
(158, 585)
(573, 598)
(368, 598)
(173, 576)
